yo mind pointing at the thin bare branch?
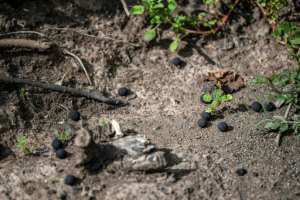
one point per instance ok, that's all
(80, 63)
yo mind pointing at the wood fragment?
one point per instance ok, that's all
(25, 43)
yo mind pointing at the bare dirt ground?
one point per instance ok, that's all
(165, 107)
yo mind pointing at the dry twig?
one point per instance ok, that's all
(62, 89)
(125, 7)
(80, 63)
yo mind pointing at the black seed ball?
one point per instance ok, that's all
(57, 144)
(256, 106)
(270, 107)
(74, 115)
(61, 153)
(242, 108)
(123, 91)
(241, 172)
(70, 180)
(222, 126)
(202, 123)
(177, 61)
(206, 115)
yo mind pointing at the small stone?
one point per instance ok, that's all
(74, 115)
(83, 138)
(241, 172)
(70, 180)
(123, 91)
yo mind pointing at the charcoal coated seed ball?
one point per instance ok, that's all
(70, 180)
(270, 107)
(74, 115)
(241, 172)
(56, 144)
(176, 61)
(206, 115)
(61, 153)
(242, 108)
(202, 123)
(256, 106)
(123, 91)
(223, 127)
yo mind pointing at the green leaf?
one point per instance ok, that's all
(217, 94)
(208, 2)
(158, 5)
(295, 40)
(210, 110)
(260, 80)
(211, 23)
(227, 97)
(172, 5)
(207, 98)
(137, 10)
(174, 45)
(273, 125)
(149, 35)
(283, 127)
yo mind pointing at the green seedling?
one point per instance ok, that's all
(216, 98)
(160, 13)
(63, 136)
(272, 8)
(23, 145)
(104, 122)
(23, 92)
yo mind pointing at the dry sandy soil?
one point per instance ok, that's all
(164, 107)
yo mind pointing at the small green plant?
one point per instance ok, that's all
(23, 92)
(160, 12)
(272, 8)
(104, 122)
(289, 33)
(63, 136)
(23, 145)
(285, 85)
(215, 99)
(285, 90)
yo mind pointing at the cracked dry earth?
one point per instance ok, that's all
(165, 107)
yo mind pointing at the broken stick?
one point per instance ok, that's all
(62, 89)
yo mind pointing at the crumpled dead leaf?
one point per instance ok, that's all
(229, 80)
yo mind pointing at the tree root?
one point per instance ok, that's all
(62, 89)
